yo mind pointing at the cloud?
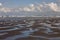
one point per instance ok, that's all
(3, 9)
(32, 5)
(45, 7)
(28, 9)
(0, 4)
(32, 8)
(39, 7)
(54, 7)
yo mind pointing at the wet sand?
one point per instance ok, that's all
(32, 29)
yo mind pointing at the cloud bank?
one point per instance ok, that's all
(34, 8)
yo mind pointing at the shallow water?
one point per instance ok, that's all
(46, 32)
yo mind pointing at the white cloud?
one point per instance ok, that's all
(0, 4)
(53, 6)
(31, 5)
(29, 8)
(5, 9)
(45, 7)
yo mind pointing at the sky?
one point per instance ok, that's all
(30, 7)
(18, 3)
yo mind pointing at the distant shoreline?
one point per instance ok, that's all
(29, 16)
